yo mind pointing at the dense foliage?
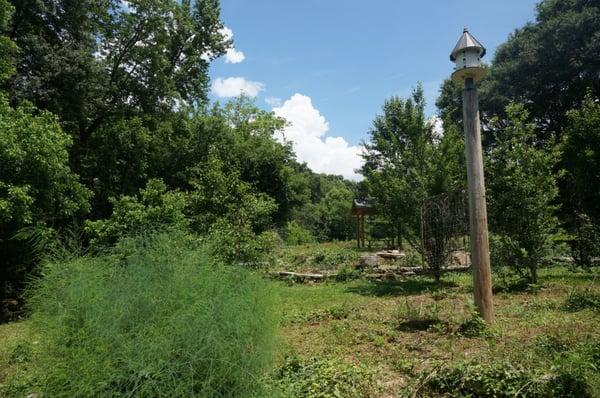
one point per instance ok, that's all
(405, 162)
(522, 190)
(131, 144)
(37, 188)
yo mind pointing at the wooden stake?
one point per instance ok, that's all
(480, 248)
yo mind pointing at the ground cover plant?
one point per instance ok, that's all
(155, 317)
(423, 339)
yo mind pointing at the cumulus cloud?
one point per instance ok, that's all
(232, 55)
(236, 86)
(307, 131)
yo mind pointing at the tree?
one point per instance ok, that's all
(155, 207)
(522, 189)
(219, 194)
(397, 163)
(581, 160)
(335, 213)
(93, 62)
(547, 65)
(581, 181)
(267, 164)
(406, 162)
(8, 48)
(37, 187)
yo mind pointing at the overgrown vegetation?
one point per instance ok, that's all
(320, 378)
(156, 316)
(174, 209)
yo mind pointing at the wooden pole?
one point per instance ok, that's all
(358, 230)
(480, 248)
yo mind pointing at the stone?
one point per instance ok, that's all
(369, 261)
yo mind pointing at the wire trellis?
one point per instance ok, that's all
(445, 230)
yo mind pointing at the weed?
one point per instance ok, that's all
(474, 326)
(550, 344)
(21, 353)
(581, 299)
(324, 378)
(476, 380)
(337, 312)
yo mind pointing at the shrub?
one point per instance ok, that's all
(522, 191)
(296, 234)
(37, 187)
(239, 244)
(581, 299)
(585, 244)
(155, 208)
(156, 317)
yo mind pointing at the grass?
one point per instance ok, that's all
(404, 330)
(412, 337)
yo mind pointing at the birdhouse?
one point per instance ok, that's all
(467, 56)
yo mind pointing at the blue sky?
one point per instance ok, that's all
(328, 65)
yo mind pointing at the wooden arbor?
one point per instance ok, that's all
(360, 209)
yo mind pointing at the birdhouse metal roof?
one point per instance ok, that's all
(466, 41)
(361, 206)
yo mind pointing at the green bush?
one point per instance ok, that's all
(585, 244)
(522, 192)
(296, 234)
(38, 190)
(474, 326)
(342, 257)
(581, 299)
(240, 244)
(156, 317)
(155, 208)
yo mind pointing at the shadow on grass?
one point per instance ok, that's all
(572, 277)
(406, 287)
(516, 286)
(419, 325)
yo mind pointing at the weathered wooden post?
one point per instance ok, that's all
(467, 55)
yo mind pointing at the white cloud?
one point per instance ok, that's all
(307, 131)
(226, 32)
(273, 101)
(236, 86)
(232, 55)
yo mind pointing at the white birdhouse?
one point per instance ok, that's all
(467, 56)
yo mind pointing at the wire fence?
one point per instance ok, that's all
(445, 230)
